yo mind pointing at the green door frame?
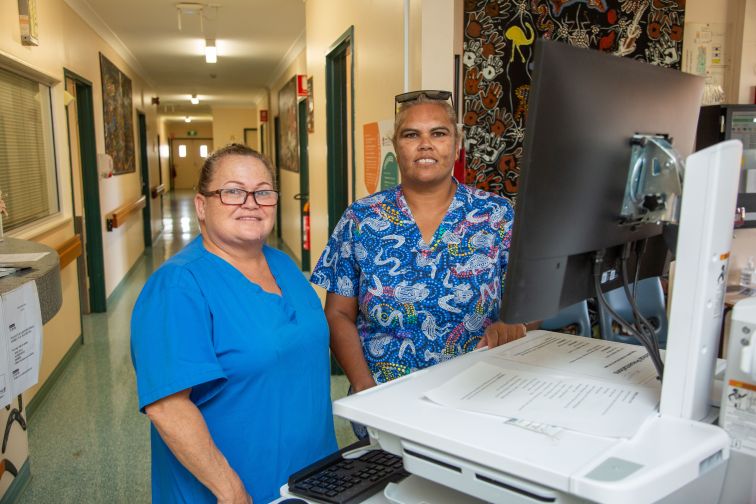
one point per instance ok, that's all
(91, 193)
(145, 169)
(277, 152)
(304, 181)
(263, 147)
(160, 182)
(336, 126)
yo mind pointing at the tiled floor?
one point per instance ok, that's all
(87, 441)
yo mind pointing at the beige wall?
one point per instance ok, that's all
(180, 129)
(378, 77)
(66, 41)
(61, 331)
(123, 246)
(745, 79)
(438, 31)
(739, 19)
(229, 124)
(288, 181)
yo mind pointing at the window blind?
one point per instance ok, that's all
(27, 169)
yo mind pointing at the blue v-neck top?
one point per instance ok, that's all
(257, 364)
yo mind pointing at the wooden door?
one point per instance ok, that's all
(188, 154)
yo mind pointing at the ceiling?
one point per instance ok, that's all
(256, 40)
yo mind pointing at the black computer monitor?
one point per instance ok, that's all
(584, 108)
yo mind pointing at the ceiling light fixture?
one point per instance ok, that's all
(211, 54)
(194, 99)
(191, 9)
(187, 119)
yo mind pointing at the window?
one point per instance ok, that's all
(203, 151)
(182, 150)
(28, 177)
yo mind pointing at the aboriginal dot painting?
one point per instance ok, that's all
(499, 41)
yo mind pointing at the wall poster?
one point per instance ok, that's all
(381, 166)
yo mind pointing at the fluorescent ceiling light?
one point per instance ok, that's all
(187, 119)
(194, 99)
(211, 54)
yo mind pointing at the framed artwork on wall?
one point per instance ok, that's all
(28, 22)
(118, 117)
(499, 40)
(287, 113)
(310, 107)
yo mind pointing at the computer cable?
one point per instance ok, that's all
(14, 416)
(597, 263)
(640, 249)
(629, 328)
(641, 322)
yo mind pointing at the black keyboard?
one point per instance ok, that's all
(336, 480)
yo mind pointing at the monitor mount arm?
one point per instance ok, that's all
(654, 182)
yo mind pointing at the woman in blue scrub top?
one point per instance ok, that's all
(230, 347)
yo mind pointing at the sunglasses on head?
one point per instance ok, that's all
(430, 94)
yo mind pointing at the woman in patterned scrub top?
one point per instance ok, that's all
(414, 273)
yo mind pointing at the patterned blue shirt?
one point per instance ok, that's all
(419, 304)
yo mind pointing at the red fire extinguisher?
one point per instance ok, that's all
(306, 226)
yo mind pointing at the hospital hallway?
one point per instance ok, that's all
(87, 441)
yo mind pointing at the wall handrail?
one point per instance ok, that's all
(157, 190)
(69, 250)
(118, 216)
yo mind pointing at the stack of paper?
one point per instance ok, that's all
(593, 386)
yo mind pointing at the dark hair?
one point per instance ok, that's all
(424, 99)
(234, 149)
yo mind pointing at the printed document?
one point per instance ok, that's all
(20, 341)
(581, 356)
(597, 387)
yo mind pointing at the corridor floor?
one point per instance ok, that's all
(87, 441)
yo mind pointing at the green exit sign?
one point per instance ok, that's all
(191, 133)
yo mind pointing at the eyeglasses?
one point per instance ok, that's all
(430, 94)
(234, 196)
